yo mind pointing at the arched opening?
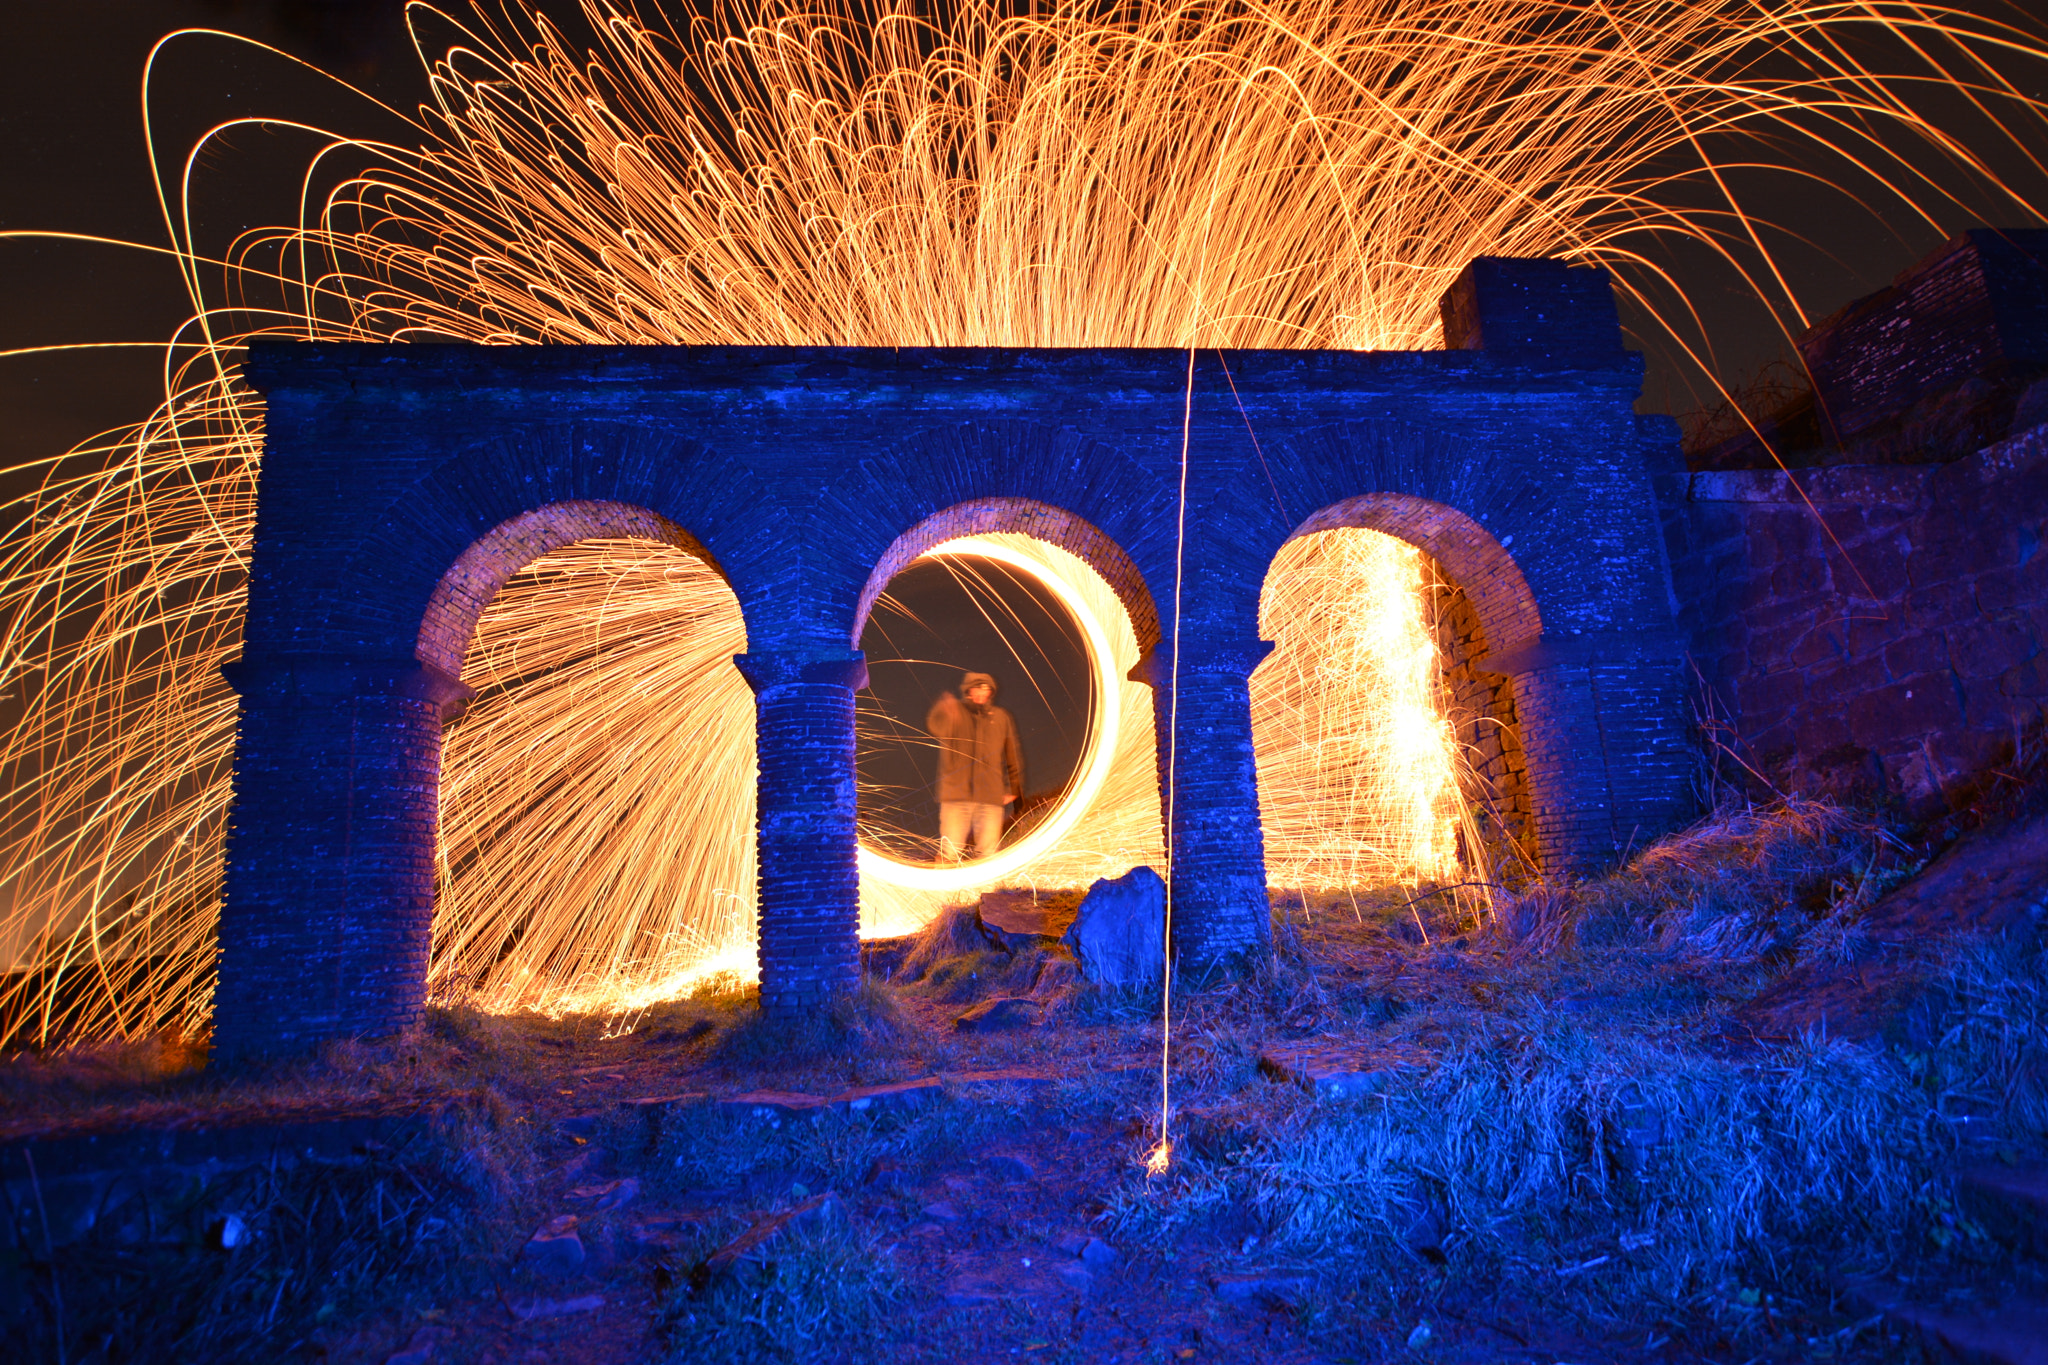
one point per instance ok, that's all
(1092, 804)
(1387, 753)
(597, 843)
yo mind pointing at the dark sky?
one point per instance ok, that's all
(72, 158)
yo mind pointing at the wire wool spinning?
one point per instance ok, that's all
(1179, 173)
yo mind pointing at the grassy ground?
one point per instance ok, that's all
(1573, 1154)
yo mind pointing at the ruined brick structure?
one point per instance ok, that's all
(402, 485)
(1863, 586)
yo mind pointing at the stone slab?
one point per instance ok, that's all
(2011, 1202)
(1333, 1071)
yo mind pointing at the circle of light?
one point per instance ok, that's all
(1095, 762)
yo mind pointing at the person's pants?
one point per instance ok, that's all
(958, 818)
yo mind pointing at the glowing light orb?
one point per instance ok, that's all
(1065, 580)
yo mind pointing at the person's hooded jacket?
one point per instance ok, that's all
(979, 759)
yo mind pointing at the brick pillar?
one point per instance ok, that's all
(1222, 921)
(328, 903)
(809, 911)
(1604, 731)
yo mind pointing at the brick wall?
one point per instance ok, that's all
(1870, 631)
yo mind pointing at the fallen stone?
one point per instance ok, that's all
(555, 1249)
(2012, 1334)
(1119, 934)
(1004, 1166)
(720, 1265)
(1003, 1013)
(527, 1310)
(974, 1084)
(943, 1211)
(1330, 1071)
(582, 1127)
(1020, 919)
(622, 1193)
(774, 1105)
(1074, 1277)
(2010, 1203)
(1266, 1289)
(903, 1095)
(1097, 1254)
(423, 1348)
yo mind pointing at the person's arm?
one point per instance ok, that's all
(1013, 760)
(943, 720)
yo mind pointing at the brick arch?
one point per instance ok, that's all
(1468, 552)
(466, 589)
(1000, 475)
(1020, 516)
(418, 553)
(1487, 609)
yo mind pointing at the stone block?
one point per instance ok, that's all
(1119, 933)
(1904, 713)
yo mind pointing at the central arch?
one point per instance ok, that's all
(1108, 821)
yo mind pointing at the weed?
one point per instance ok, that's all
(819, 1285)
(247, 1266)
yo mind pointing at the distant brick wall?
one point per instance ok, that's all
(1870, 631)
(1978, 306)
(401, 484)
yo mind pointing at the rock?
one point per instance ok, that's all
(902, 1096)
(228, 1232)
(1003, 1166)
(1018, 919)
(526, 1310)
(1097, 1254)
(2011, 1203)
(422, 1348)
(884, 1173)
(612, 1194)
(1331, 1071)
(1003, 1083)
(1074, 1277)
(720, 1264)
(774, 1105)
(1119, 934)
(583, 1127)
(1267, 1289)
(555, 1249)
(997, 1015)
(943, 1211)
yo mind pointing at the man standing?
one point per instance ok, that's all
(981, 769)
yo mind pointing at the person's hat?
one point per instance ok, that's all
(973, 680)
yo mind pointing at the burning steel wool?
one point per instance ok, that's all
(1197, 174)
